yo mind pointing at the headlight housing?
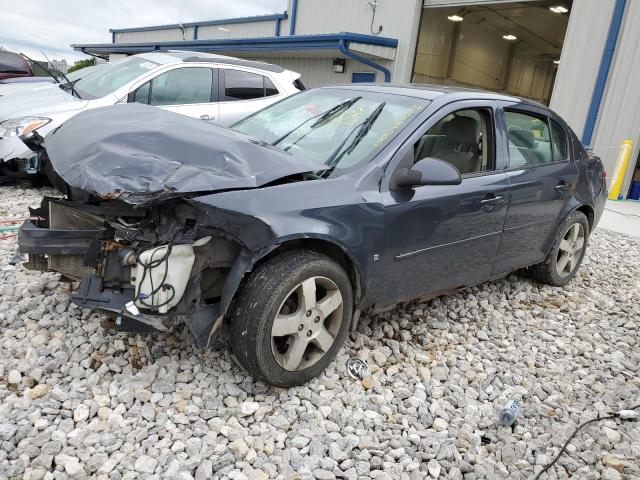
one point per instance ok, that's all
(16, 127)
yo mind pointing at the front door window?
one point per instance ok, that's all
(182, 86)
(460, 138)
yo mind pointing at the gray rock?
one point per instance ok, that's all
(239, 448)
(14, 377)
(204, 470)
(248, 408)
(433, 467)
(322, 474)
(299, 441)
(81, 413)
(145, 464)
(611, 474)
(7, 430)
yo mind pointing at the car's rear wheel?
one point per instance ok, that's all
(567, 252)
(291, 317)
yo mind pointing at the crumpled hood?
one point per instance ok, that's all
(142, 154)
(39, 103)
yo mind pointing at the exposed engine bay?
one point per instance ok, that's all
(150, 268)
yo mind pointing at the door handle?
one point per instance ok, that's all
(207, 118)
(561, 187)
(492, 202)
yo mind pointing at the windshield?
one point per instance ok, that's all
(338, 127)
(108, 78)
(83, 72)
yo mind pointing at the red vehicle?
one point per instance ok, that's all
(13, 65)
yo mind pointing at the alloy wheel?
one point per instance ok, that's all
(307, 323)
(570, 250)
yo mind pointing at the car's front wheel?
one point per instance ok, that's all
(567, 252)
(291, 317)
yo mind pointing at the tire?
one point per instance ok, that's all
(558, 269)
(278, 298)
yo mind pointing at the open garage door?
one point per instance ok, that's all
(511, 47)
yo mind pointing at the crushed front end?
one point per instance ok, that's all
(148, 267)
(138, 225)
(21, 156)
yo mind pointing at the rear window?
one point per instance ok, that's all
(559, 141)
(239, 85)
(13, 63)
(578, 148)
(529, 139)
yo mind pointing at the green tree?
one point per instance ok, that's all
(88, 62)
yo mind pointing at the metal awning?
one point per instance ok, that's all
(367, 49)
(370, 46)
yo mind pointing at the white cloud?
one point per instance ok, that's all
(30, 26)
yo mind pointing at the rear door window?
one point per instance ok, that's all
(239, 85)
(269, 88)
(529, 139)
(558, 141)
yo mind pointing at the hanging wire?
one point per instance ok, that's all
(373, 4)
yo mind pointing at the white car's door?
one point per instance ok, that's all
(243, 92)
(190, 91)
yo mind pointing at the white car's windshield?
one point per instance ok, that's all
(337, 127)
(108, 78)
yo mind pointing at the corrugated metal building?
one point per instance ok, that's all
(580, 56)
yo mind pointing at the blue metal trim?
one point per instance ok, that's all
(363, 77)
(278, 25)
(603, 73)
(297, 42)
(113, 37)
(344, 49)
(195, 32)
(224, 21)
(294, 14)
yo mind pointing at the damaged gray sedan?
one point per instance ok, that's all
(300, 217)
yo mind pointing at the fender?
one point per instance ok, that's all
(204, 326)
(359, 285)
(571, 206)
(247, 260)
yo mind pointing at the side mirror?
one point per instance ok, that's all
(428, 171)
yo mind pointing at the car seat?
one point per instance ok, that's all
(462, 147)
(526, 143)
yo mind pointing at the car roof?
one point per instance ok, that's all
(431, 92)
(169, 56)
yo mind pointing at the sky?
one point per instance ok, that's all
(29, 26)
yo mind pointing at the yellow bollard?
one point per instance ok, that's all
(621, 169)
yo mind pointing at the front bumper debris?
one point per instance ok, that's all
(93, 294)
(61, 239)
(17, 158)
(12, 148)
(47, 241)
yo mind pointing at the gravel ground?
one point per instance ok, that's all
(80, 403)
